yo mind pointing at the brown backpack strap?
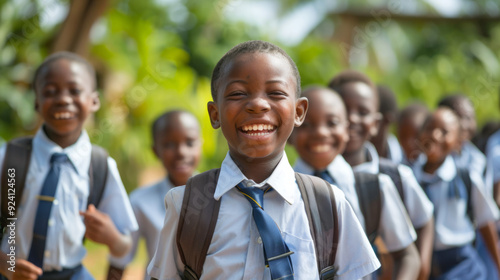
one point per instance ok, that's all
(14, 171)
(98, 174)
(321, 209)
(197, 221)
(370, 202)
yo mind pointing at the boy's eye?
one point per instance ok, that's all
(75, 91)
(235, 95)
(332, 123)
(49, 92)
(278, 94)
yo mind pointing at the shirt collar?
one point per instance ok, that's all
(78, 153)
(370, 166)
(446, 172)
(282, 179)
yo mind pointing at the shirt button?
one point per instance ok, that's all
(259, 240)
(51, 222)
(47, 254)
(249, 183)
(55, 202)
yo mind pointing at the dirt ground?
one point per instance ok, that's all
(96, 262)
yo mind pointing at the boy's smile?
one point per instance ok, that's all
(323, 135)
(256, 105)
(363, 116)
(65, 98)
(440, 135)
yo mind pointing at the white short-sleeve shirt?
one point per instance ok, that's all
(236, 251)
(453, 227)
(493, 161)
(148, 204)
(418, 205)
(395, 152)
(64, 248)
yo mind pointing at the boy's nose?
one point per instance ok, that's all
(64, 97)
(354, 118)
(321, 130)
(258, 105)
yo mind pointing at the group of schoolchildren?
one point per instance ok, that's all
(422, 204)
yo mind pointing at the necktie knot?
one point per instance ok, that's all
(325, 175)
(253, 194)
(58, 158)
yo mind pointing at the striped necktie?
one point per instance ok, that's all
(325, 176)
(276, 252)
(45, 201)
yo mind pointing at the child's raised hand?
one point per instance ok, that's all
(101, 229)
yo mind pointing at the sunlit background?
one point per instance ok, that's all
(156, 55)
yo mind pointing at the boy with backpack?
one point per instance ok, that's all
(361, 101)
(319, 141)
(58, 187)
(460, 202)
(254, 218)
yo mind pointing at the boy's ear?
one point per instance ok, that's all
(301, 106)
(213, 113)
(96, 103)
(377, 119)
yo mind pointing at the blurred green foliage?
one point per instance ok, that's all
(152, 56)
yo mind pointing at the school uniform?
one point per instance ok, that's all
(394, 150)
(454, 255)
(418, 206)
(395, 227)
(149, 209)
(236, 250)
(470, 158)
(66, 229)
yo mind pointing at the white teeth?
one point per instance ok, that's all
(63, 115)
(257, 127)
(320, 148)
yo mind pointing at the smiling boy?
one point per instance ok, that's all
(256, 103)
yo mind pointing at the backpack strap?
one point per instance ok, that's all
(464, 176)
(15, 167)
(370, 202)
(98, 174)
(389, 168)
(197, 222)
(321, 210)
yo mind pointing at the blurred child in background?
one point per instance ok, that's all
(410, 122)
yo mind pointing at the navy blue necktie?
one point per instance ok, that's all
(45, 201)
(325, 176)
(276, 252)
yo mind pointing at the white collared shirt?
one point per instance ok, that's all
(453, 227)
(64, 248)
(148, 204)
(471, 158)
(236, 251)
(418, 205)
(395, 227)
(395, 152)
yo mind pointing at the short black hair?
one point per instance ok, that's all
(68, 56)
(452, 100)
(250, 47)
(163, 120)
(387, 100)
(351, 76)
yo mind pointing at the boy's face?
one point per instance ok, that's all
(467, 115)
(362, 112)
(65, 98)
(408, 131)
(440, 136)
(178, 146)
(256, 106)
(323, 135)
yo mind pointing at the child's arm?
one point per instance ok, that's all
(490, 237)
(24, 270)
(115, 273)
(424, 243)
(406, 263)
(101, 229)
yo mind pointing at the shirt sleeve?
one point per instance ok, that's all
(124, 261)
(352, 264)
(395, 226)
(494, 156)
(115, 201)
(166, 263)
(483, 207)
(420, 209)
